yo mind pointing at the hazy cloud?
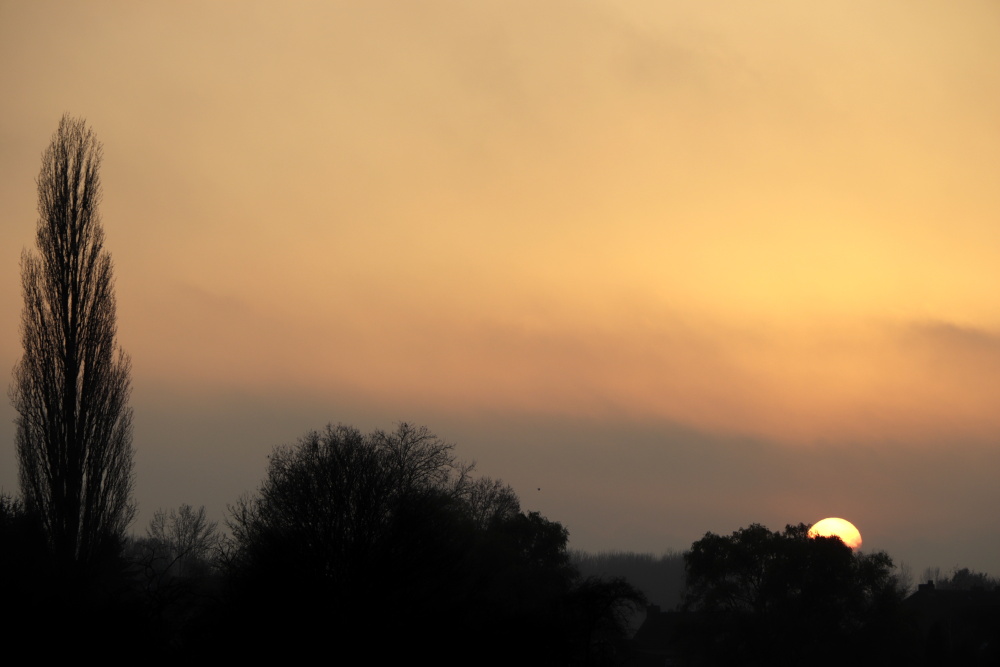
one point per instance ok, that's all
(683, 266)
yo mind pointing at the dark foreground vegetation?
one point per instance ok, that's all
(379, 546)
(758, 597)
(384, 547)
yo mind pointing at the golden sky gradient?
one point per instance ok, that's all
(772, 222)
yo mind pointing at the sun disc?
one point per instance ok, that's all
(841, 528)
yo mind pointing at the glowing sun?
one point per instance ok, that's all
(841, 528)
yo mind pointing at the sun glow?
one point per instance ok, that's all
(841, 528)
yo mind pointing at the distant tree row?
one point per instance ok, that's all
(961, 579)
(661, 577)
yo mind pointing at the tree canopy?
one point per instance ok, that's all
(785, 595)
(389, 534)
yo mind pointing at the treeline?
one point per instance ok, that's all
(960, 579)
(378, 546)
(785, 598)
(660, 578)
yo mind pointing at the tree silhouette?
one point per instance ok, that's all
(962, 579)
(490, 500)
(71, 387)
(182, 542)
(353, 538)
(340, 499)
(785, 597)
(358, 532)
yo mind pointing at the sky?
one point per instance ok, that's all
(665, 266)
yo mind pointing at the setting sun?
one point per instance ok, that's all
(841, 528)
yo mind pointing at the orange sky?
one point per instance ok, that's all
(769, 222)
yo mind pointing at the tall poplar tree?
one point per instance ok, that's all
(71, 388)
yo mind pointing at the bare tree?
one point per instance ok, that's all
(71, 387)
(490, 500)
(184, 539)
(340, 499)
